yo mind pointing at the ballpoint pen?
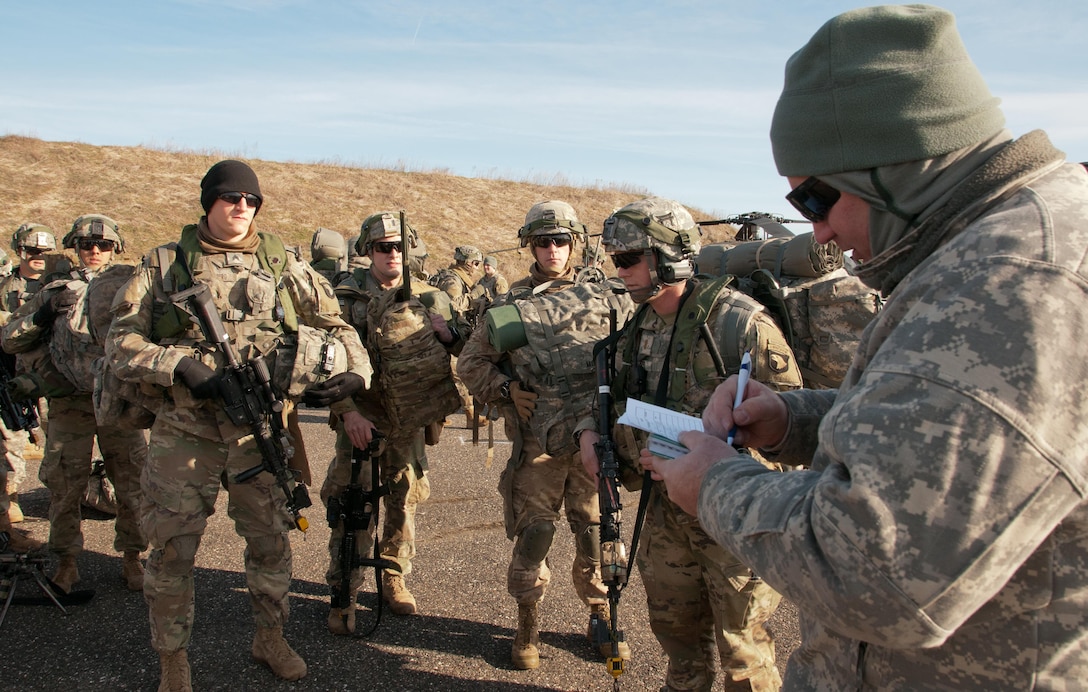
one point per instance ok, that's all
(742, 384)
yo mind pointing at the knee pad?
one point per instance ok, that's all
(179, 555)
(535, 541)
(588, 540)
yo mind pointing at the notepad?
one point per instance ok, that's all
(664, 426)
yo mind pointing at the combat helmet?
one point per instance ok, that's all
(33, 235)
(384, 224)
(98, 227)
(663, 229)
(327, 244)
(468, 253)
(551, 218)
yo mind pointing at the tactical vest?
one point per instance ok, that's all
(72, 348)
(413, 384)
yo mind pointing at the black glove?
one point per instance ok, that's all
(201, 380)
(333, 389)
(60, 303)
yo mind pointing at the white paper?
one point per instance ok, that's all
(659, 421)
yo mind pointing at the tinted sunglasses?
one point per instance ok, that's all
(236, 197)
(626, 260)
(547, 240)
(386, 248)
(814, 199)
(87, 244)
(34, 251)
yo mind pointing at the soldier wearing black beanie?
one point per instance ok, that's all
(228, 176)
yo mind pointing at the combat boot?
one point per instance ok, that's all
(599, 612)
(132, 571)
(271, 649)
(400, 599)
(15, 512)
(174, 672)
(67, 573)
(470, 414)
(20, 541)
(524, 653)
(342, 620)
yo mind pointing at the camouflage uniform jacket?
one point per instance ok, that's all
(15, 291)
(940, 539)
(457, 281)
(244, 294)
(355, 292)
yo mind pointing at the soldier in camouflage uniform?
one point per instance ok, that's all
(30, 242)
(402, 461)
(269, 298)
(705, 605)
(940, 539)
(34, 329)
(459, 282)
(535, 486)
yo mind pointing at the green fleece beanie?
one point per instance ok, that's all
(880, 86)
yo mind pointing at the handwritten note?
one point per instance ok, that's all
(658, 421)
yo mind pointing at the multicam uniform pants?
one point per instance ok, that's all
(704, 604)
(534, 487)
(401, 467)
(66, 466)
(180, 484)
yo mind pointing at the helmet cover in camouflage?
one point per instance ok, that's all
(653, 223)
(95, 226)
(327, 244)
(33, 235)
(468, 253)
(551, 218)
(384, 224)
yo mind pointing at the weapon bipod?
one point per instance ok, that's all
(15, 566)
(355, 510)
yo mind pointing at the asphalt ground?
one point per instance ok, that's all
(459, 641)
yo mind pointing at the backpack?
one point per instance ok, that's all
(413, 383)
(561, 327)
(820, 307)
(116, 401)
(71, 346)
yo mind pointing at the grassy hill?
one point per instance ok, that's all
(153, 193)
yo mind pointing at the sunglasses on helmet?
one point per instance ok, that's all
(814, 199)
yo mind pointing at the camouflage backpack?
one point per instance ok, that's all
(413, 384)
(116, 401)
(820, 307)
(551, 349)
(71, 346)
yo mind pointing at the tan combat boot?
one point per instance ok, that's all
(174, 672)
(271, 649)
(470, 413)
(67, 574)
(20, 541)
(600, 610)
(15, 512)
(400, 599)
(524, 653)
(342, 620)
(132, 571)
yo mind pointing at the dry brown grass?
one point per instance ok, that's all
(152, 193)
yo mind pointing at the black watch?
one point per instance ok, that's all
(504, 389)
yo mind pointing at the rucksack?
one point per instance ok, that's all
(820, 307)
(561, 327)
(71, 346)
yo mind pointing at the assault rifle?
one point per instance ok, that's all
(750, 223)
(405, 269)
(355, 510)
(615, 562)
(17, 415)
(248, 399)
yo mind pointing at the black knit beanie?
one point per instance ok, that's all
(228, 176)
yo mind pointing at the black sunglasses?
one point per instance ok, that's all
(814, 199)
(87, 244)
(626, 260)
(34, 251)
(236, 197)
(546, 240)
(386, 248)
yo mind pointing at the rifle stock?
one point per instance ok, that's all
(245, 390)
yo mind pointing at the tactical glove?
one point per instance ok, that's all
(333, 389)
(201, 380)
(524, 400)
(60, 303)
(23, 387)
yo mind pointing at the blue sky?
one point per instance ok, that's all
(672, 97)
